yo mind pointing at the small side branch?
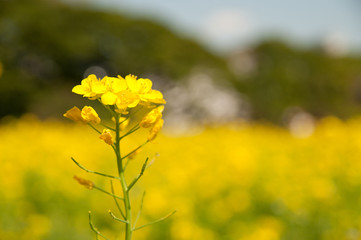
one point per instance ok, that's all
(156, 221)
(90, 171)
(140, 210)
(94, 128)
(116, 218)
(106, 192)
(135, 128)
(115, 200)
(94, 229)
(106, 126)
(134, 150)
(108, 108)
(139, 175)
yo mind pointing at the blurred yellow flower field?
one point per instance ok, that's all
(237, 181)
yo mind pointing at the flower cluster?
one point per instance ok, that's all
(86, 115)
(122, 94)
(153, 120)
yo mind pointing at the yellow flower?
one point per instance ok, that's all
(155, 129)
(107, 137)
(86, 183)
(75, 115)
(90, 87)
(153, 96)
(152, 117)
(143, 87)
(126, 99)
(113, 86)
(90, 115)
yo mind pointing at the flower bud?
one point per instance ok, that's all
(90, 115)
(107, 137)
(86, 183)
(152, 117)
(75, 115)
(155, 129)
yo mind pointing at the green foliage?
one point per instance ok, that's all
(287, 77)
(46, 46)
(45, 43)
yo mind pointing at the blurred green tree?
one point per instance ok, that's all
(46, 47)
(284, 77)
(44, 44)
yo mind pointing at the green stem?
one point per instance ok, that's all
(126, 156)
(134, 150)
(139, 175)
(106, 126)
(91, 125)
(127, 206)
(90, 171)
(106, 192)
(115, 200)
(140, 210)
(95, 229)
(116, 218)
(135, 128)
(156, 221)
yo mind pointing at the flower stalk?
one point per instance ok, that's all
(123, 98)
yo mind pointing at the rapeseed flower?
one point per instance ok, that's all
(122, 92)
(154, 120)
(155, 129)
(107, 137)
(119, 95)
(152, 117)
(90, 87)
(75, 115)
(90, 115)
(113, 86)
(143, 87)
(125, 100)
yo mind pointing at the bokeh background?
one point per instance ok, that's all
(262, 136)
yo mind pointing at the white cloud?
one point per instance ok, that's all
(226, 27)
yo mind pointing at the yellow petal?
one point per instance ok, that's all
(107, 137)
(127, 99)
(132, 83)
(90, 115)
(98, 87)
(155, 129)
(153, 96)
(92, 78)
(134, 103)
(145, 85)
(109, 98)
(152, 117)
(79, 89)
(118, 85)
(74, 114)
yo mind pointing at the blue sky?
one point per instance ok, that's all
(225, 25)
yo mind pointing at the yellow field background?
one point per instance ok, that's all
(237, 181)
